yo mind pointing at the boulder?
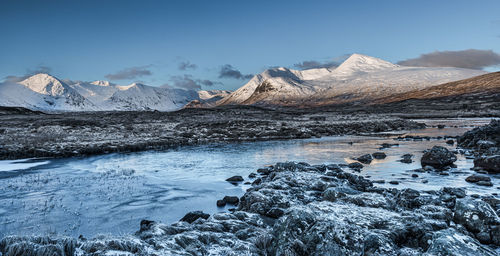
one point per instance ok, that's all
(355, 166)
(379, 155)
(231, 200)
(451, 242)
(477, 177)
(191, 217)
(438, 157)
(221, 203)
(366, 159)
(477, 217)
(406, 158)
(489, 163)
(236, 178)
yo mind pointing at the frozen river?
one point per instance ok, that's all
(111, 193)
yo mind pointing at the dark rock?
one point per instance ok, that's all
(449, 242)
(414, 175)
(475, 215)
(221, 203)
(484, 183)
(366, 159)
(379, 155)
(440, 126)
(394, 182)
(252, 175)
(264, 171)
(275, 213)
(489, 163)
(458, 192)
(191, 217)
(482, 138)
(236, 178)
(450, 142)
(355, 166)
(331, 194)
(146, 225)
(438, 157)
(388, 145)
(231, 200)
(406, 158)
(477, 177)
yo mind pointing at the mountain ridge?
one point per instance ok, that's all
(48, 93)
(359, 78)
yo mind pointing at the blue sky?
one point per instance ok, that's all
(192, 43)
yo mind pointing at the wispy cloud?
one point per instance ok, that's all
(228, 71)
(309, 64)
(185, 65)
(190, 83)
(130, 73)
(39, 69)
(329, 63)
(471, 58)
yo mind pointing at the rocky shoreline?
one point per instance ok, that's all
(34, 134)
(301, 209)
(294, 208)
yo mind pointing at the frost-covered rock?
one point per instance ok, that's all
(302, 209)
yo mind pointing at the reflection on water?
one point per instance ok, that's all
(112, 193)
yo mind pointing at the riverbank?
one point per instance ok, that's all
(301, 209)
(34, 134)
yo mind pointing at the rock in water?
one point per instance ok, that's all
(366, 159)
(231, 200)
(191, 217)
(406, 158)
(379, 155)
(236, 178)
(438, 157)
(489, 163)
(476, 178)
(355, 166)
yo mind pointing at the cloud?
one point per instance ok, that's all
(130, 73)
(471, 58)
(185, 65)
(29, 72)
(190, 83)
(39, 69)
(330, 63)
(228, 71)
(309, 64)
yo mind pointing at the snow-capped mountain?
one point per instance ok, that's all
(360, 78)
(45, 92)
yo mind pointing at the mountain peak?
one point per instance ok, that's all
(101, 83)
(361, 63)
(45, 84)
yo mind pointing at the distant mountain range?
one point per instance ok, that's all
(45, 92)
(358, 80)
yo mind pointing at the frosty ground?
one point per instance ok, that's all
(33, 134)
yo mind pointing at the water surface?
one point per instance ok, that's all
(112, 193)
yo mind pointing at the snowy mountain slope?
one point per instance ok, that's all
(359, 78)
(211, 94)
(45, 92)
(142, 97)
(208, 99)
